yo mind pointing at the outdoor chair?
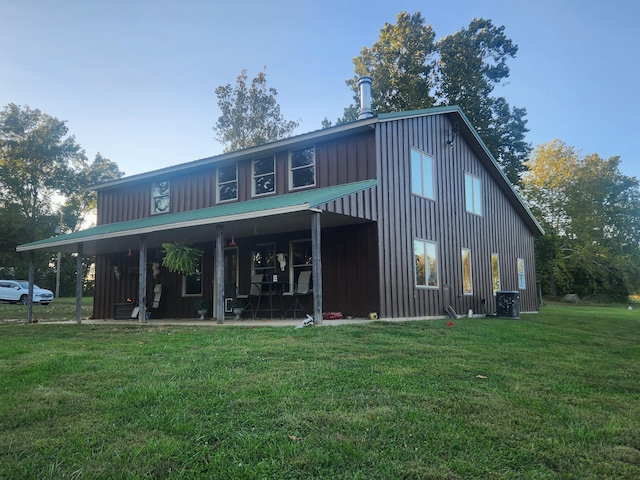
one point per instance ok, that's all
(253, 297)
(302, 289)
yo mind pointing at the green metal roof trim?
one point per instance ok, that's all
(306, 199)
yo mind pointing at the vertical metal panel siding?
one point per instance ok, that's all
(345, 160)
(404, 216)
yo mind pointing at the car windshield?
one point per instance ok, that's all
(25, 285)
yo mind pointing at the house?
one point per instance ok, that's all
(402, 214)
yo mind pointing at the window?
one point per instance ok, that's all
(522, 281)
(473, 194)
(302, 168)
(301, 259)
(264, 176)
(495, 272)
(192, 284)
(426, 263)
(422, 174)
(264, 259)
(160, 197)
(467, 285)
(227, 183)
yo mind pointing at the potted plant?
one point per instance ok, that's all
(202, 307)
(237, 306)
(181, 257)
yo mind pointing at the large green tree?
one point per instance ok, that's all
(410, 70)
(37, 159)
(250, 114)
(44, 177)
(400, 65)
(591, 215)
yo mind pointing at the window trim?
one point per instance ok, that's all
(469, 262)
(268, 269)
(154, 197)
(292, 169)
(522, 276)
(414, 177)
(218, 184)
(200, 281)
(496, 286)
(424, 243)
(473, 195)
(254, 177)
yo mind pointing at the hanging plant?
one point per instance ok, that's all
(181, 257)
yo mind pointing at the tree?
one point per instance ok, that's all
(400, 66)
(83, 201)
(471, 62)
(36, 159)
(591, 213)
(250, 114)
(411, 71)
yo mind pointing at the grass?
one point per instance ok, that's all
(60, 309)
(553, 395)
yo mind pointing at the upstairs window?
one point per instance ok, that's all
(302, 168)
(426, 263)
(227, 183)
(264, 176)
(422, 174)
(160, 197)
(473, 194)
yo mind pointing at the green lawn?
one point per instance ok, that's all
(553, 395)
(60, 309)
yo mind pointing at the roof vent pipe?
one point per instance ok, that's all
(365, 98)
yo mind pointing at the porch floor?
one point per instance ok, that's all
(289, 322)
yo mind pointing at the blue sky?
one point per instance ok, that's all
(135, 80)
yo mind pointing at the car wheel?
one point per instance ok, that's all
(24, 299)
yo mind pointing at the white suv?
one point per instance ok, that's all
(18, 291)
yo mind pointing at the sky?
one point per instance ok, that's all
(135, 80)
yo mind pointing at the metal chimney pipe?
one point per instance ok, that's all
(365, 98)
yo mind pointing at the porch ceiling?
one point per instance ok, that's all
(275, 214)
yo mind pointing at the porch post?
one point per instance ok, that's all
(79, 283)
(142, 281)
(316, 268)
(219, 286)
(30, 292)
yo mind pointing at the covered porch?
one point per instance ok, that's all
(279, 237)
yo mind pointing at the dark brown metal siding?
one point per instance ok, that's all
(404, 217)
(345, 160)
(349, 272)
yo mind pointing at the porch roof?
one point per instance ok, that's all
(258, 212)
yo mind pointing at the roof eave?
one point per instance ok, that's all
(252, 152)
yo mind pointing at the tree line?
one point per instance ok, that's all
(588, 208)
(39, 163)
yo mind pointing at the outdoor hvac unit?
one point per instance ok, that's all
(508, 304)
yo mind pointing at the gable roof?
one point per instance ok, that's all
(291, 203)
(467, 131)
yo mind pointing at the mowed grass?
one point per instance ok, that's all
(552, 395)
(60, 309)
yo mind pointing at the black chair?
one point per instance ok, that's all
(253, 297)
